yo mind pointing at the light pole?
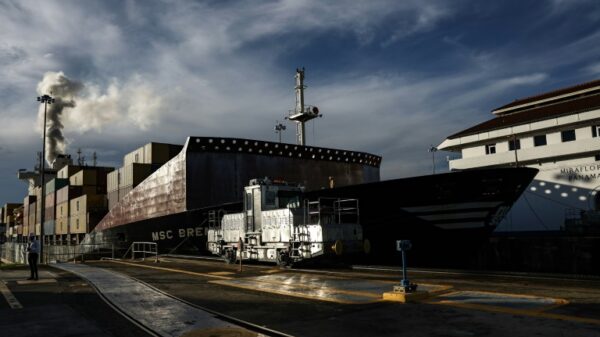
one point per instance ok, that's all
(433, 149)
(279, 128)
(46, 99)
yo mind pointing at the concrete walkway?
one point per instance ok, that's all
(160, 314)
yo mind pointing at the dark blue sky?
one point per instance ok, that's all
(391, 77)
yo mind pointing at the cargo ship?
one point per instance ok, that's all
(173, 205)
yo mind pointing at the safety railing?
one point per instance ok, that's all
(143, 249)
(17, 252)
(79, 252)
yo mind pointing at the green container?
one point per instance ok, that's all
(56, 184)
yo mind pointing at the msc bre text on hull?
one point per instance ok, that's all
(180, 233)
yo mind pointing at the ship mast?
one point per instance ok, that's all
(302, 114)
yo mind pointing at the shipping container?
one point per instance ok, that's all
(67, 193)
(56, 184)
(135, 156)
(38, 212)
(87, 203)
(7, 210)
(49, 227)
(28, 200)
(160, 153)
(67, 171)
(32, 215)
(78, 223)
(84, 177)
(62, 210)
(112, 183)
(124, 190)
(49, 214)
(62, 225)
(26, 215)
(134, 174)
(113, 199)
(50, 199)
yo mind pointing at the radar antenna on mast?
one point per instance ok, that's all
(302, 113)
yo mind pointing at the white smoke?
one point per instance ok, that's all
(83, 107)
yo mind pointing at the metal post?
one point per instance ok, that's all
(515, 145)
(405, 285)
(405, 282)
(241, 248)
(433, 149)
(279, 128)
(45, 99)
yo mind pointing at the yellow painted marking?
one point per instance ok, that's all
(293, 294)
(436, 289)
(512, 311)
(329, 290)
(172, 270)
(557, 301)
(537, 312)
(10, 298)
(222, 273)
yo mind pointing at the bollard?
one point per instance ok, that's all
(241, 248)
(405, 286)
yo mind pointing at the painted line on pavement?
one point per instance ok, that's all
(10, 298)
(522, 312)
(172, 270)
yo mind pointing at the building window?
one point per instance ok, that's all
(514, 144)
(539, 140)
(568, 135)
(77, 222)
(77, 205)
(595, 130)
(490, 149)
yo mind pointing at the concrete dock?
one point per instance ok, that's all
(190, 297)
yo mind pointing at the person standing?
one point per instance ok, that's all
(33, 251)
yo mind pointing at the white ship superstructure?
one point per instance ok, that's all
(557, 133)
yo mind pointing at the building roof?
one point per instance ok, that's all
(548, 95)
(535, 113)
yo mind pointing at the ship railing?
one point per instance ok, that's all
(78, 252)
(336, 210)
(16, 252)
(143, 248)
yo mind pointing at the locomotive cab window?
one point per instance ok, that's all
(289, 199)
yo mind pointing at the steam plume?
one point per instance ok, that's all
(89, 107)
(63, 90)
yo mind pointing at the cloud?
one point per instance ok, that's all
(391, 77)
(593, 69)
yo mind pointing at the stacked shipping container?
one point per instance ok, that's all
(137, 166)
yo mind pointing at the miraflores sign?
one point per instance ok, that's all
(583, 173)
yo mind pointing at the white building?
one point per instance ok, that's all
(556, 132)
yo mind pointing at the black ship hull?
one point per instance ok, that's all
(448, 216)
